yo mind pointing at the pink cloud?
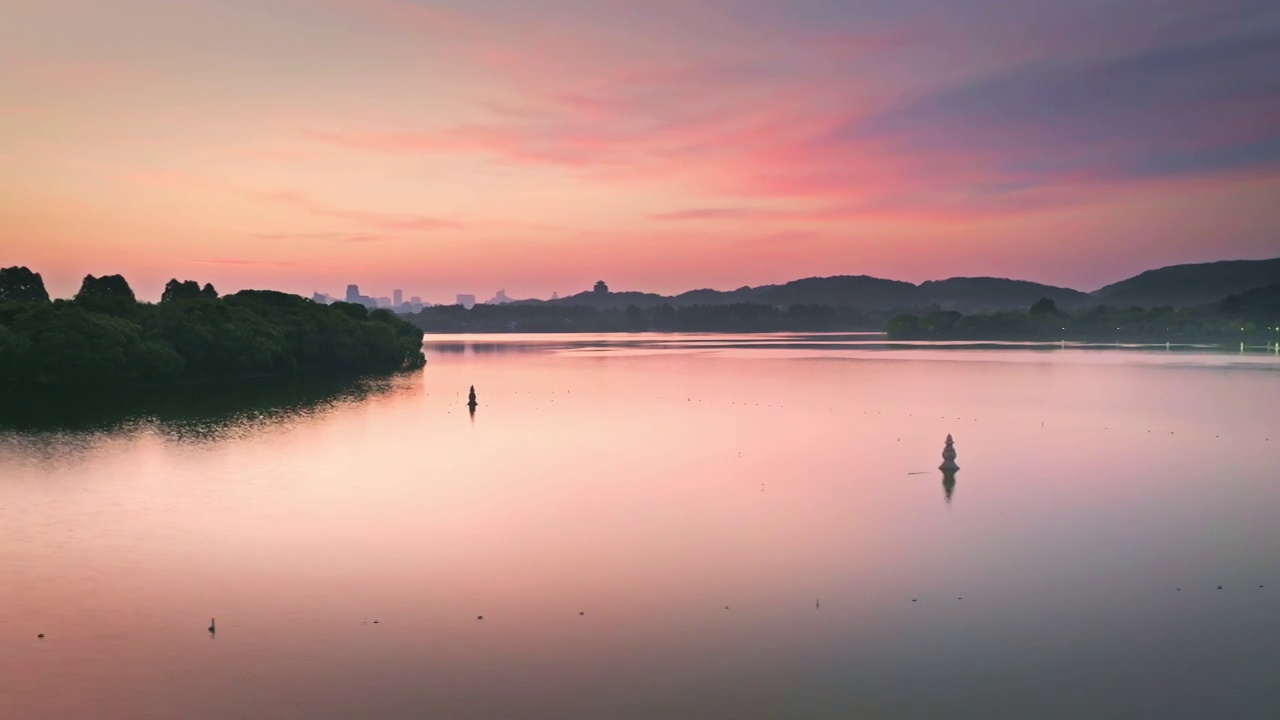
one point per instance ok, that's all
(369, 218)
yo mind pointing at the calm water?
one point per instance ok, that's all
(662, 527)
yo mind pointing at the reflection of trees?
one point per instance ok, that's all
(194, 411)
(480, 348)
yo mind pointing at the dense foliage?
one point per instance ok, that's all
(1252, 317)
(741, 317)
(104, 337)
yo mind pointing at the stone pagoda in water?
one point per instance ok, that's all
(471, 402)
(949, 468)
(949, 457)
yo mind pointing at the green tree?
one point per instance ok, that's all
(19, 284)
(108, 294)
(1044, 306)
(186, 290)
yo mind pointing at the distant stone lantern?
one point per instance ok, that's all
(949, 457)
(471, 399)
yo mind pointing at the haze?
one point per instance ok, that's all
(446, 147)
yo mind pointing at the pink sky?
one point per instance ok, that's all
(467, 146)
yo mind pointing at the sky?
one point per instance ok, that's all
(466, 146)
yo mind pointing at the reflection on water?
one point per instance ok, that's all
(948, 483)
(645, 524)
(184, 411)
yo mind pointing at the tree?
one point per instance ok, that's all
(184, 290)
(19, 284)
(1044, 306)
(903, 327)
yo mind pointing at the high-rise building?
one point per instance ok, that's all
(467, 301)
(353, 293)
(397, 297)
(499, 299)
(415, 300)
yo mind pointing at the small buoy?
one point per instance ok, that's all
(41, 636)
(913, 599)
(581, 612)
(479, 617)
(375, 622)
(1219, 587)
(726, 607)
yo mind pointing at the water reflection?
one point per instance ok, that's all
(193, 412)
(948, 483)
(348, 542)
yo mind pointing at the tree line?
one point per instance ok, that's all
(739, 317)
(1251, 317)
(105, 337)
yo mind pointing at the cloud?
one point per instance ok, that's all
(846, 113)
(235, 261)
(368, 218)
(725, 213)
(1195, 108)
(319, 237)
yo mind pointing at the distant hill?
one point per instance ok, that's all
(1178, 286)
(985, 293)
(858, 291)
(1261, 305)
(1187, 285)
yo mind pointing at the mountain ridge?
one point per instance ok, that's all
(1175, 285)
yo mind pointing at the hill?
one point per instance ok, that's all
(1189, 285)
(985, 293)
(855, 291)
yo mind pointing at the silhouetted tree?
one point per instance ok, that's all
(1044, 306)
(184, 290)
(19, 284)
(113, 286)
(108, 294)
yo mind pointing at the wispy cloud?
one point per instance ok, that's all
(1058, 119)
(319, 237)
(237, 261)
(368, 218)
(725, 213)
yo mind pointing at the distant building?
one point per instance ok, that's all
(397, 297)
(384, 302)
(555, 296)
(601, 288)
(415, 300)
(323, 298)
(354, 296)
(499, 299)
(467, 301)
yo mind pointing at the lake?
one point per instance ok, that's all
(660, 526)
